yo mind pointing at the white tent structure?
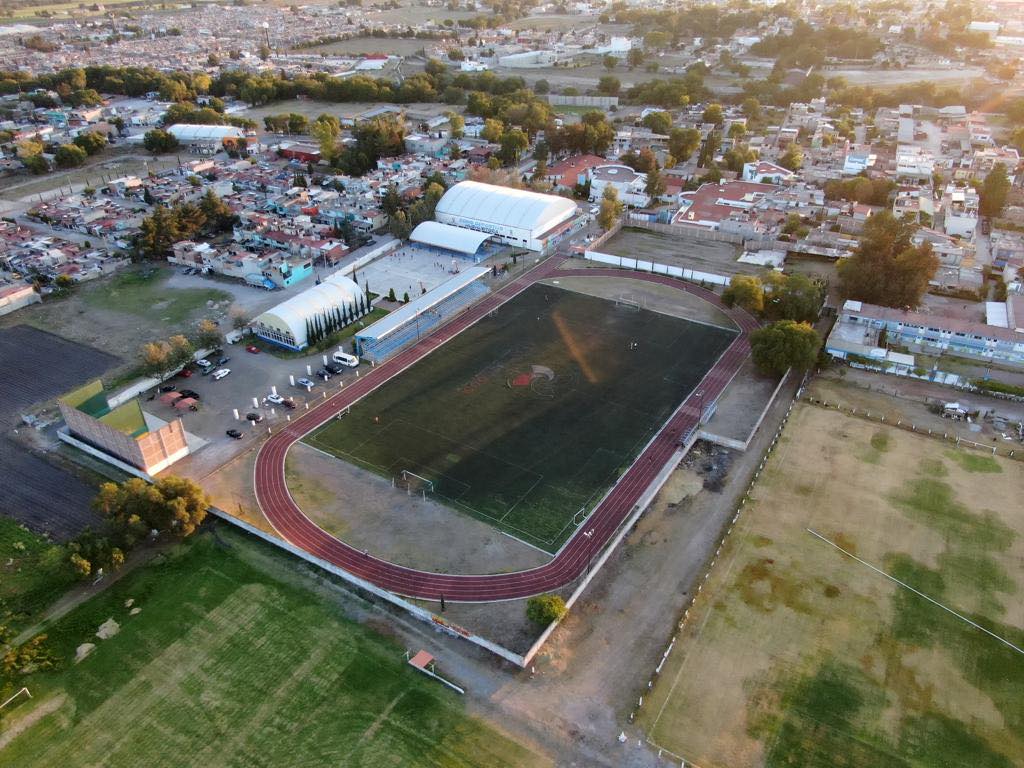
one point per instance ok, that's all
(514, 216)
(439, 235)
(286, 324)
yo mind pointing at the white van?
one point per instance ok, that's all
(342, 358)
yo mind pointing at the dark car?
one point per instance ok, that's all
(217, 351)
(167, 388)
(206, 371)
(185, 373)
(189, 393)
(222, 360)
(234, 433)
(255, 418)
(289, 404)
(323, 373)
(334, 368)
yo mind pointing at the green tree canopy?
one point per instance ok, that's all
(746, 292)
(783, 345)
(544, 609)
(887, 268)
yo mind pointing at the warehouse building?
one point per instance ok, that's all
(205, 139)
(318, 310)
(516, 217)
(122, 432)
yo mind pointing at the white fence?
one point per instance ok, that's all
(625, 262)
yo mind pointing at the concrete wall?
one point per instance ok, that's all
(598, 102)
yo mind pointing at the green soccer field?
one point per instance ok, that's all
(532, 414)
(226, 655)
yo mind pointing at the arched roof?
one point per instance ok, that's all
(504, 206)
(446, 236)
(291, 315)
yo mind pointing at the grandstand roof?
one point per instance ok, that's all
(292, 314)
(186, 132)
(504, 206)
(414, 309)
(446, 236)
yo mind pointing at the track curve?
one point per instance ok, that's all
(288, 520)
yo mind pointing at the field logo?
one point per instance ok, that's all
(536, 372)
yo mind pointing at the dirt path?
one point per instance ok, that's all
(75, 596)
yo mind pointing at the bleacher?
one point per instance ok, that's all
(414, 320)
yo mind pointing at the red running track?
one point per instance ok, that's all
(289, 521)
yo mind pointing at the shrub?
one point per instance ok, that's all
(545, 609)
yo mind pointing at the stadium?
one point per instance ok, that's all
(540, 411)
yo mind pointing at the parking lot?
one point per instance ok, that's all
(252, 378)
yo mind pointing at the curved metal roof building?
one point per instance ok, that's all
(518, 216)
(285, 324)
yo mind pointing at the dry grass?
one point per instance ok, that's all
(795, 654)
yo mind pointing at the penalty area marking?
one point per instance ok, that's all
(963, 618)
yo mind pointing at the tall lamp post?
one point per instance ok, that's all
(589, 535)
(700, 413)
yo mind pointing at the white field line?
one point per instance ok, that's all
(963, 618)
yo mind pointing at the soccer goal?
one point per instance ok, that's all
(628, 302)
(417, 483)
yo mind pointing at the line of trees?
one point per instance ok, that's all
(166, 226)
(326, 324)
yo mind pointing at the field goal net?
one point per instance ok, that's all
(416, 483)
(628, 302)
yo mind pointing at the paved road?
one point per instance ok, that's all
(289, 521)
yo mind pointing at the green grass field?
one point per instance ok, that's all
(33, 574)
(530, 415)
(233, 660)
(798, 655)
(142, 292)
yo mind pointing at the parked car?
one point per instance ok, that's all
(234, 433)
(306, 383)
(252, 349)
(216, 352)
(189, 393)
(185, 373)
(204, 364)
(334, 368)
(220, 373)
(323, 373)
(222, 360)
(167, 388)
(289, 404)
(206, 371)
(255, 418)
(275, 399)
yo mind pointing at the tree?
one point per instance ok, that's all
(158, 232)
(207, 334)
(751, 107)
(492, 130)
(391, 295)
(746, 292)
(887, 268)
(542, 87)
(69, 156)
(159, 141)
(659, 122)
(456, 124)
(545, 609)
(218, 214)
(713, 114)
(91, 141)
(609, 85)
(635, 57)
(994, 191)
(683, 142)
(655, 186)
(609, 62)
(174, 505)
(611, 208)
(325, 130)
(791, 297)
(793, 158)
(513, 143)
(783, 345)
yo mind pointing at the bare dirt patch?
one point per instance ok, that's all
(365, 511)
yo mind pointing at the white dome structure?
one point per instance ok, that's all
(287, 323)
(515, 216)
